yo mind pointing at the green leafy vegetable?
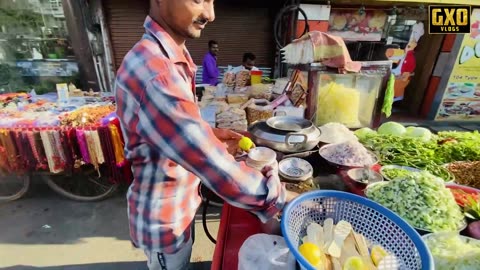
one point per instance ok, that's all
(422, 200)
(392, 128)
(452, 251)
(459, 146)
(389, 96)
(428, 155)
(419, 132)
(407, 151)
(363, 132)
(392, 173)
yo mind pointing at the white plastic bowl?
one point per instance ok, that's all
(296, 169)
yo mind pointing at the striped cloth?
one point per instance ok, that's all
(332, 52)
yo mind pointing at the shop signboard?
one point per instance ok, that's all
(357, 25)
(461, 100)
(44, 68)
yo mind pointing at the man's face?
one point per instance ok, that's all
(214, 49)
(187, 18)
(249, 64)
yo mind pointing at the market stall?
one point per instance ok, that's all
(416, 181)
(450, 202)
(77, 146)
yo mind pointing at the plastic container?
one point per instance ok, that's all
(256, 77)
(349, 99)
(375, 222)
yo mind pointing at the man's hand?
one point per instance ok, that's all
(226, 134)
(272, 226)
(229, 138)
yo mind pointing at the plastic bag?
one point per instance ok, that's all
(266, 252)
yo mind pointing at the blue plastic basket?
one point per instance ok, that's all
(378, 224)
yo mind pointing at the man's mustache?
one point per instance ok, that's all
(201, 21)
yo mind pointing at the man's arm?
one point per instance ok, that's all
(171, 122)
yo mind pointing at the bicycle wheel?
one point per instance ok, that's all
(85, 185)
(13, 186)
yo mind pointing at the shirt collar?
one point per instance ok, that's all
(174, 52)
(212, 55)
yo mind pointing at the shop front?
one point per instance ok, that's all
(239, 27)
(384, 30)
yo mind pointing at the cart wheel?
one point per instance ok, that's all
(85, 185)
(13, 186)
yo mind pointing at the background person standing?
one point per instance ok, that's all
(248, 63)
(210, 68)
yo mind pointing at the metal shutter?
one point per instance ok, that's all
(125, 21)
(237, 29)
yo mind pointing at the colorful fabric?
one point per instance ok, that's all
(118, 145)
(172, 149)
(331, 51)
(69, 161)
(47, 146)
(82, 144)
(107, 149)
(43, 164)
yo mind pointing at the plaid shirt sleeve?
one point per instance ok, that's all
(170, 121)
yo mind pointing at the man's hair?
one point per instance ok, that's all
(249, 56)
(211, 43)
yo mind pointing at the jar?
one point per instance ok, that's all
(256, 77)
(260, 157)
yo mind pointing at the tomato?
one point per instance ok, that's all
(461, 197)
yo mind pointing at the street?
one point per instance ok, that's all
(46, 231)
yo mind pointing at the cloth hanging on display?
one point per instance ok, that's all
(117, 144)
(98, 147)
(109, 154)
(22, 155)
(49, 151)
(31, 163)
(82, 143)
(69, 161)
(3, 154)
(40, 150)
(91, 148)
(59, 147)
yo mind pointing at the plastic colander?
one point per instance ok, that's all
(378, 224)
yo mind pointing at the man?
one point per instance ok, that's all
(248, 63)
(210, 69)
(170, 147)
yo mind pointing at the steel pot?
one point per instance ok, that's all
(286, 134)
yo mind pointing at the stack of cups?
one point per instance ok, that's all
(260, 157)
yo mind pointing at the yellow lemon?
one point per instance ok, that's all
(311, 253)
(245, 143)
(377, 254)
(354, 263)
